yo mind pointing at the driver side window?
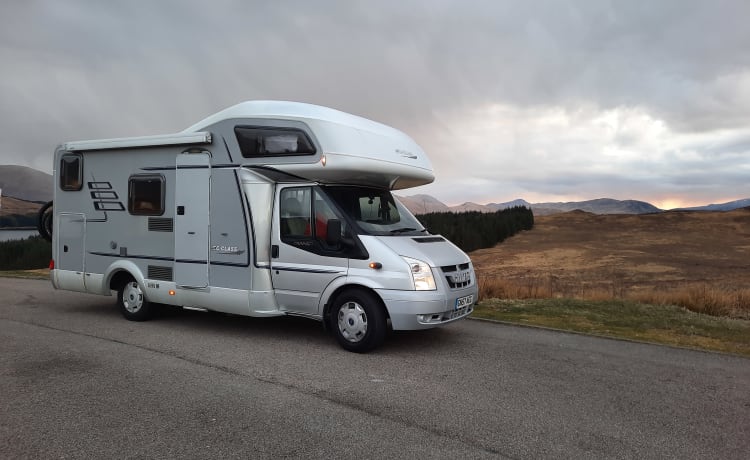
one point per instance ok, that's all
(304, 215)
(295, 212)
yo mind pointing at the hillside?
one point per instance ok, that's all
(423, 204)
(15, 213)
(599, 206)
(10, 205)
(721, 206)
(579, 254)
(25, 183)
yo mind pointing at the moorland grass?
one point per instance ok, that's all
(670, 325)
(699, 297)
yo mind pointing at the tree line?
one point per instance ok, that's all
(33, 252)
(474, 230)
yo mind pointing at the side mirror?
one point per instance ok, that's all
(333, 232)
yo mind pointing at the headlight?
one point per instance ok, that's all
(421, 274)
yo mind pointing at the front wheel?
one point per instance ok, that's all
(358, 321)
(133, 304)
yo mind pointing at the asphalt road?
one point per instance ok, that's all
(79, 381)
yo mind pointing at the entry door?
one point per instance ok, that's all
(191, 222)
(70, 231)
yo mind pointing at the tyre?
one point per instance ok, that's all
(44, 221)
(132, 303)
(358, 321)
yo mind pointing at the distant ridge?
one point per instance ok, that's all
(25, 183)
(510, 204)
(599, 206)
(728, 206)
(418, 203)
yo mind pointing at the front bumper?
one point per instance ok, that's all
(412, 310)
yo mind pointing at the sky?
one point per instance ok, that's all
(541, 100)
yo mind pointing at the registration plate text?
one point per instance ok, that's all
(464, 301)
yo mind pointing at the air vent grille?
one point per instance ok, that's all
(157, 272)
(160, 224)
(454, 268)
(429, 239)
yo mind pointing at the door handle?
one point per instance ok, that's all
(275, 251)
(180, 210)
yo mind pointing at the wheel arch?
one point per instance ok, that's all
(121, 271)
(334, 290)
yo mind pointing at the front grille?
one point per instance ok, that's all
(160, 224)
(454, 268)
(457, 276)
(158, 272)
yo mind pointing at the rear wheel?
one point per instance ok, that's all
(358, 321)
(44, 221)
(132, 303)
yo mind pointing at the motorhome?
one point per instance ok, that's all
(266, 208)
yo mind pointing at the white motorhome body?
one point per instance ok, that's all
(266, 208)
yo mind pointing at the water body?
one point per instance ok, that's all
(7, 235)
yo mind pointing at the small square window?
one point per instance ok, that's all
(71, 172)
(146, 195)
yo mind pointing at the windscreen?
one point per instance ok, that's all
(375, 211)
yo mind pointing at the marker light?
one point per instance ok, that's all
(171, 292)
(323, 160)
(52, 264)
(421, 274)
(376, 265)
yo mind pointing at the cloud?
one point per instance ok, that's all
(509, 151)
(638, 95)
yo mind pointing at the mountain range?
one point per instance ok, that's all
(29, 184)
(421, 204)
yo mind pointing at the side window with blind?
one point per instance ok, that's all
(260, 141)
(146, 195)
(71, 172)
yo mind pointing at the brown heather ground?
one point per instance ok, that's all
(697, 260)
(12, 205)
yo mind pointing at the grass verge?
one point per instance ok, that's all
(625, 319)
(36, 274)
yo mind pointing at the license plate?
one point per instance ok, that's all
(464, 301)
